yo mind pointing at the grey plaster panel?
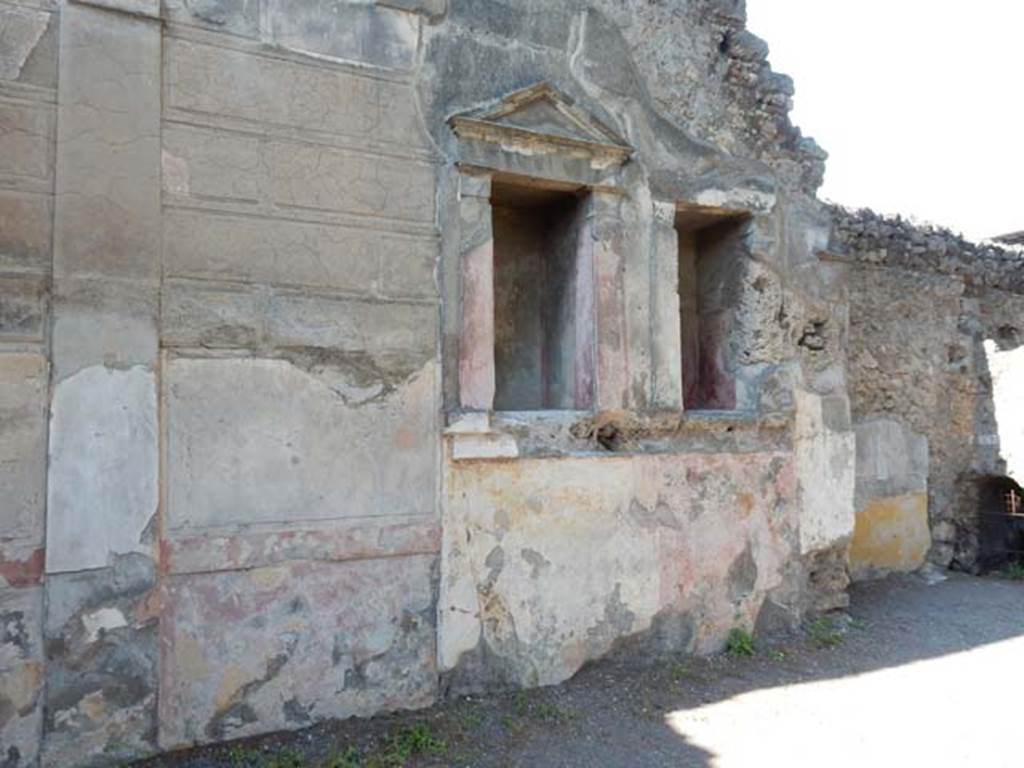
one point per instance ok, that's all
(214, 81)
(297, 253)
(329, 179)
(353, 326)
(26, 133)
(261, 441)
(26, 223)
(23, 394)
(347, 31)
(108, 160)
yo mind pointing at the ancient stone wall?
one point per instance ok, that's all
(252, 472)
(933, 321)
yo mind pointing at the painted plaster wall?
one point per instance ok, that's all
(550, 564)
(226, 230)
(892, 531)
(300, 378)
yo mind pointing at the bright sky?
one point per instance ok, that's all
(919, 103)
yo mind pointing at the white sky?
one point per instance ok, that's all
(919, 103)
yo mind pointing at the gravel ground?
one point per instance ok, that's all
(917, 673)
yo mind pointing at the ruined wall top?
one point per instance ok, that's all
(715, 80)
(865, 237)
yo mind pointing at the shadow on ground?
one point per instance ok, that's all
(618, 713)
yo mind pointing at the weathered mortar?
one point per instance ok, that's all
(231, 313)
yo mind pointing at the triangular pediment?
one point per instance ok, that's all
(540, 114)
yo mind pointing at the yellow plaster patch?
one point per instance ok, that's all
(268, 578)
(190, 657)
(891, 534)
(232, 682)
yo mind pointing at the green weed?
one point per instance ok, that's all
(825, 632)
(1014, 571)
(679, 671)
(740, 643)
(350, 758)
(407, 743)
(286, 758)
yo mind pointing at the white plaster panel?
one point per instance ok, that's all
(103, 467)
(826, 476)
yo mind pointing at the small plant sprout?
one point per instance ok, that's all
(740, 643)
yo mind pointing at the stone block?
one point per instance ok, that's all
(109, 322)
(102, 495)
(149, 8)
(353, 326)
(215, 81)
(25, 227)
(329, 179)
(201, 315)
(21, 675)
(23, 396)
(22, 307)
(891, 535)
(408, 267)
(328, 435)
(297, 253)
(346, 31)
(429, 8)
(40, 66)
(26, 135)
(261, 650)
(101, 665)
(204, 163)
(483, 447)
(107, 219)
(20, 31)
(237, 17)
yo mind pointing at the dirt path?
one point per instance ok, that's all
(921, 674)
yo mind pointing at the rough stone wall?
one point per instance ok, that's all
(716, 81)
(932, 320)
(229, 348)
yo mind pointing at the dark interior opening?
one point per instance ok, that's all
(712, 245)
(543, 298)
(1001, 523)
